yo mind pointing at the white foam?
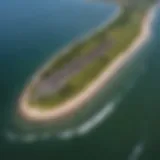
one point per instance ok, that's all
(29, 138)
(68, 134)
(97, 119)
(11, 136)
(83, 129)
(137, 151)
(15, 137)
(92, 122)
(46, 136)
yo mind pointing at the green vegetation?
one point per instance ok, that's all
(79, 49)
(122, 31)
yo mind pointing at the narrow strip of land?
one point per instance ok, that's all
(52, 84)
(76, 102)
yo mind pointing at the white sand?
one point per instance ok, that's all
(63, 110)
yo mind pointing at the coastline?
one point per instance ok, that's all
(35, 77)
(75, 103)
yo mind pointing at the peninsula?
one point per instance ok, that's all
(76, 75)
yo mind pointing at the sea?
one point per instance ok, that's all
(33, 31)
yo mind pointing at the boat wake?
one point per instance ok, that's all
(94, 121)
(80, 130)
(137, 151)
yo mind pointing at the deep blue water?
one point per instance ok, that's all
(29, 33)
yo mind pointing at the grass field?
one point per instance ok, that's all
(123, 31)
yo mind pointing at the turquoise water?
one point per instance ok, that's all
(132, 129)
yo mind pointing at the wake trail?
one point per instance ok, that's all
(92, 122)
(137, 151)
(80, 130)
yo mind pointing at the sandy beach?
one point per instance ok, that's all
(77, 102)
